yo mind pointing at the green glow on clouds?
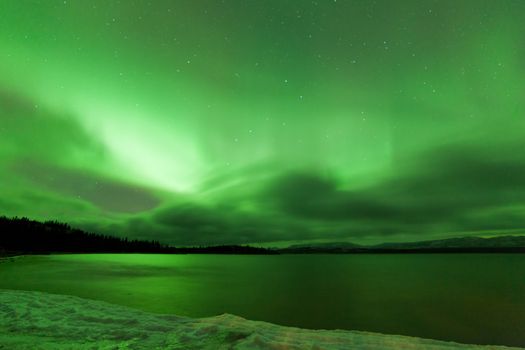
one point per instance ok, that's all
(265, 122)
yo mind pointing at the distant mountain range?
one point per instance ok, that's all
(332, 247)
(463, 244)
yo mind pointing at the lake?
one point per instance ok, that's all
(470, 298)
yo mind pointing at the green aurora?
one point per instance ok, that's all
(265, 122)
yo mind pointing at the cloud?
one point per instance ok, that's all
(193, 224)
(30, 131)
(307, 195)
(441, 189)
(459, 189)
(48, 158)
(105, 193)
(50, 171)
(190, 223)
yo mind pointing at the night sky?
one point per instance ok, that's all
(265, 122)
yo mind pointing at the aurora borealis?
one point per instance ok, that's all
(265, 122)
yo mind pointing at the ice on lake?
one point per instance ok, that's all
(36, 320)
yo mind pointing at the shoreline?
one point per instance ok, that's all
(57, 321)
(10, 257)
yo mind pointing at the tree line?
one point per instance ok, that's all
(22, 235)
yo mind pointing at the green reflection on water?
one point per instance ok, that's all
(475, 298)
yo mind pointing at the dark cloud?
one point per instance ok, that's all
(30, 131)
(105, 193)
(442, 188)
(494, 219)
(189, 215)
(191, 223)
(449, 180)
(458, 189)
(309, 196)
(43, 152)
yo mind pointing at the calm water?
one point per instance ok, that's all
(473, 298)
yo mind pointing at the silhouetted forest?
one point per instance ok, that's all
(22, 235)
(25, 235)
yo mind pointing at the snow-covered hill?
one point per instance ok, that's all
(34, 320)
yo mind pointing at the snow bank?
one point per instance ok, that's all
(34, 320)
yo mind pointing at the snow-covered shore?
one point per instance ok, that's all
(34, 320)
